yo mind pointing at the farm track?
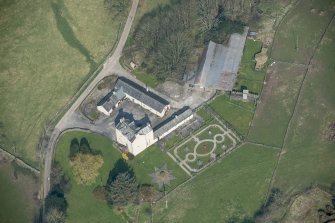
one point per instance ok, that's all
(111, 65)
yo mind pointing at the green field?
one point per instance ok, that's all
(276, 104)
(309, 156)
(48, 48)
(238, 114)
(231, 190)
(248, 76)
(83, 207)
(17, 194)
(298, 34)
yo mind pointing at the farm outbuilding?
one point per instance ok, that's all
(220, 64)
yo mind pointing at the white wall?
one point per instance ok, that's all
(103, 110)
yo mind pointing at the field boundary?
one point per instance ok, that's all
(20, 161)
(295, 105)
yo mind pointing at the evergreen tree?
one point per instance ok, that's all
(74, 148)
(85, 146)
(123, 190)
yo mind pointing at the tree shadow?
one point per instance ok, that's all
(121, 166)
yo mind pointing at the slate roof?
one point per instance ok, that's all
(111, 99)
(141, 94)
(129, 129)
(172, 121)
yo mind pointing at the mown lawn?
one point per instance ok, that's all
(248, 76)
(309, 156)
(276, 104)
(47, 50)
(298, 35)
(226, 192)
(145, 163)
(83, 207)
(237, 113)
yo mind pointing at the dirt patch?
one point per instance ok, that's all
(305, 207)
(329, 133)
(261, 58)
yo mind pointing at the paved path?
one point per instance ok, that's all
(110, 66)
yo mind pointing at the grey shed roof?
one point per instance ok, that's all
(172, 121)
(220, 66)
(111, 99)
(129, 129)
(141, 94)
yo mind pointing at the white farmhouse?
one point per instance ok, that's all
(138, 138)
(135, 138)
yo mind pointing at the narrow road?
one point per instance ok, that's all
(110, 66)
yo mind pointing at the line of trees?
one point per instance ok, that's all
(166, 38)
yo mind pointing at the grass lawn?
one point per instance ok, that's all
(83, 207)
(148, 79)
(173, 140)
(204, 114)
(47, 50)
(209, 133)
(152, 157)
(231, 190)
(276, 104)
(235, 112)
(299, 33)
(248, 76)
(308, 156)
(186, 148)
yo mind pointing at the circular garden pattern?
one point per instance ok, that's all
(205, 147)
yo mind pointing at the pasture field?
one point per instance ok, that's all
(248, 76)
(225, 192)
(17, 191)
(298, 34)
(276, 104)
(236, 113)
(48, 49)
(83, 207)
(308, 154)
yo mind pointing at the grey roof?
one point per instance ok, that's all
(141, 94)
(129, 129)
(172, 121)
(111, 99)
(220, 66)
